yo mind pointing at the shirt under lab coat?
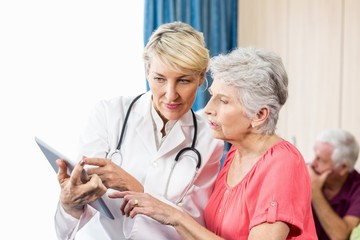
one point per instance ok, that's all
(149, 165)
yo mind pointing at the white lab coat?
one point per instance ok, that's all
(149, 165)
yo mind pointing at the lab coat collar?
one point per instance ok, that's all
(175, 137)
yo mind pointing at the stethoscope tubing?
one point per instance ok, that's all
(177, 157)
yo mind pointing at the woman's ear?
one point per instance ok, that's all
(260, 116)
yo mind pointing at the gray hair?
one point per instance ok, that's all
(261, 80)
(178, 44)
(346, 148)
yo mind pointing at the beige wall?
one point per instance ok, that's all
(319, 42)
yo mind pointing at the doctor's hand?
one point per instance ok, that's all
(112, 175)
(77, 190)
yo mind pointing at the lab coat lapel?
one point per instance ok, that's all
(146, 134)
(174, 139)
(145, 130)
(177, 135)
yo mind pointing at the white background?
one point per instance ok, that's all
(57, 59)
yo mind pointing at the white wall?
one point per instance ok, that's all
(57, 59)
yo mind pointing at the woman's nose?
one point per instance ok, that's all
(208, 108)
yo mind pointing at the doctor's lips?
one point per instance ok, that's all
(172, 106)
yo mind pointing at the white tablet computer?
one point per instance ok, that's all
(51, 154)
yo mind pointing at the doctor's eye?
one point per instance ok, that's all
(159, 79)
(184, 81)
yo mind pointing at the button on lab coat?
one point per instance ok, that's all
(151, 166)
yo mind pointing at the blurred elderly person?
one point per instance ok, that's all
(335, 184)
(263, 190)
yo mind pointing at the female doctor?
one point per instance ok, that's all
(153, 143)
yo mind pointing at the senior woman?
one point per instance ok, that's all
(263, 190)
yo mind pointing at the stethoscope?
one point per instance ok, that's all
(116, 157)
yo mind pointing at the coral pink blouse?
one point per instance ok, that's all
(277, 188)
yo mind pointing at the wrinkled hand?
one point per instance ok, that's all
(317, 180)
(77, 190)
(112, 175)
(143, 203)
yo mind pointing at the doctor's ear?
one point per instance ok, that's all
(147, 69)
(203, 78)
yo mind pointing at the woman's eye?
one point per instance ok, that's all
(223, 101)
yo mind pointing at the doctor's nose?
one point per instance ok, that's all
(171, 93)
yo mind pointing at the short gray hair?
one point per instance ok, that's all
(346, 148)
(261, 80)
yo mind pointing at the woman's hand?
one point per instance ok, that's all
(143, 203)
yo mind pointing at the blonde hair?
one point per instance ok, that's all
(178, 44)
